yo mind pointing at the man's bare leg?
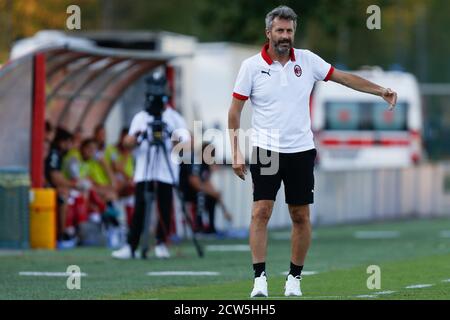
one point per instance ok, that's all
(301, 233)
(300, 241)
(261, 212)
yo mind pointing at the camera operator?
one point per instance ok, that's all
(158, 121)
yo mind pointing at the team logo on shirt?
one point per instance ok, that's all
(297, 70)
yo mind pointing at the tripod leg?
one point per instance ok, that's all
(198, 248)
(149, 197)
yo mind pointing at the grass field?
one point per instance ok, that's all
(409, 253)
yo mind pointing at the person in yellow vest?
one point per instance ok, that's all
(101, 172)
(73, 156)
(93, 168)
(120, 158)
(102, 196)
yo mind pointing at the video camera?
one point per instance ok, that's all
(155, 95)
(155, 100)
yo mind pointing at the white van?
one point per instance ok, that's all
(355, 130)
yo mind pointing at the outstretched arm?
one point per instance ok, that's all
(357, 83)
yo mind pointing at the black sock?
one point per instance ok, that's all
(259, 268)
(295, 270)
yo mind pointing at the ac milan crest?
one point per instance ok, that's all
(297, 70)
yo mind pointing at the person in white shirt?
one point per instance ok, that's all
(153, 173)
(278, 81)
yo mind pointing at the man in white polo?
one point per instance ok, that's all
(279, 81)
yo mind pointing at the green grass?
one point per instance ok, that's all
(418, 256)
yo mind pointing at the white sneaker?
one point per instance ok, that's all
(123, 253)
(260, 287)
(161, 251)
(292, 286)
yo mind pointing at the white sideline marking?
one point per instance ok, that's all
(385, 292)
(376, 234)
(375, 294)
(5, 253)
(183, 273)
(50, 274)
(445, 234)
(446, 280)
(419, 286)
(228, 247)
(304, 273)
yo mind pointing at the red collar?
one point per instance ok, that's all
(267, 58)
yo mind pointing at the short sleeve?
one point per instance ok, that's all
(243, 84)
(136, 125)
(180, 132)
(53, 161)
(322, 70)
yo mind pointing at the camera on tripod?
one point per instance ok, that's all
(155, 100)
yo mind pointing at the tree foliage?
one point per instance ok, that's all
(413, 37)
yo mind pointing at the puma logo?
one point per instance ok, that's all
(266, 72)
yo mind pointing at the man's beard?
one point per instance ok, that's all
(281, 50)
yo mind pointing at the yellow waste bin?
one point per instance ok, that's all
(43, 218)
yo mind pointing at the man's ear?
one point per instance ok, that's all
(267, 34)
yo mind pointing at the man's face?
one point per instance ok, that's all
(100, 136)
(65, 145)
(281, 36)
(88, 151)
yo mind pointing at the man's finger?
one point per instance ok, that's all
(238, 172)
(394, 102)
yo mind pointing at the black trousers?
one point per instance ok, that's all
(210, 206)
(164, 197)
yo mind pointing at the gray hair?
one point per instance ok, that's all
(282, 12)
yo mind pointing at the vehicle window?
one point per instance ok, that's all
(367, 116)
(384, 119)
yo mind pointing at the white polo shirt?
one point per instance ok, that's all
(280, 97)
(158, 169)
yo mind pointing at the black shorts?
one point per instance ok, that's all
(296, 170)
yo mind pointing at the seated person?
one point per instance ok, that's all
(93, 169)
(101, 172)
(76, 167)
(49, 135)
(120, 159)
(195, 182)
(56, 179)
